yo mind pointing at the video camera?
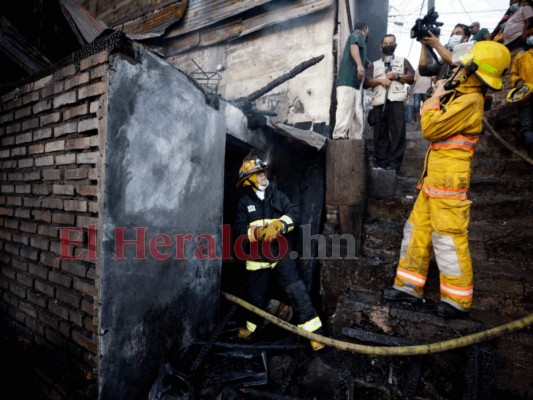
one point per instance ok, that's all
(425, 25)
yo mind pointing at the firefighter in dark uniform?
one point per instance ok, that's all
(264, 214)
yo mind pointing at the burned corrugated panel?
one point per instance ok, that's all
(238, 27)
(299, 135)
(15, 46)
(155, 23)
(202, 13)
(83, 24)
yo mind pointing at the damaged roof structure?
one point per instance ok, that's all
(123, 126)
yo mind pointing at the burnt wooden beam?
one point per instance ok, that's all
(278, 81)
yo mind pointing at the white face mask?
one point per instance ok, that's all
(454, 40)
(513, 7)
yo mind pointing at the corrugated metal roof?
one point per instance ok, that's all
(202, 13)
(156, 22)
(15, 46)
(85, 26)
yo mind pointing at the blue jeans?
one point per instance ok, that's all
(418, 98)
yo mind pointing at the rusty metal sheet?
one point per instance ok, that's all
(238, 27)
(202, 13)
(155, 23)
(83, 24)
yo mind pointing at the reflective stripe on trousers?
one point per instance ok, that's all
(438, 225)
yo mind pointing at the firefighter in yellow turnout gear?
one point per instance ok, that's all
(451, 122)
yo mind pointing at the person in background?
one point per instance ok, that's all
(478, 34)
(522, 80)
(349, 117)
(517, 26)
(497, 33)
(264, 216)
(451, 122)
(427, 65)
(390, 76)
(419, 89)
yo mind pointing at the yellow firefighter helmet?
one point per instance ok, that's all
(492, 60)
(519, 95)
(250, 165)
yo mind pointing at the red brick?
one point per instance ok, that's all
(88, 125)
(60, 279)
(58, 145)
(6, 211)
(38, 271)
(47, 230)
(9, 272)
(71, 112)
(87, 190)
(42, 106)
(69, 297)
(80, 143)
(42, 161)
(65, 219)
(36, 149)
(25, 163)
(65, 72)
(76, 173)
(86, 288)
(84, 222)
(50, 118)
(28, 309)
(87, 158)
(25, 252)
(23, 138)
(41, 189)
(29, 227)
(14, 201)
(32, 202)
(45, 216)
(96, 89)
(67, 190)
(22, 213)
(75, 205)
(11, 223)
(30, 98)
(32, 176)
(93, 108)
(42, 82)
(94, 60)
(8, 141)
(12, 248)
(58, 310)
(50, 259)
(23, 112)
(15, 128)
(18, 290)
(40, 243)
(49, 319)
(23, 189)
(15, 176)
(18, 151)
(93, 207)
(21, 265)
(42, 134)
(63, 129)
(5, 153)
(7, 117)
(90, 325)
(65, 98)
(64, 159)
(45, 288)
(30, 124)
(52, 203)
(5, 235)
(74, 268)
(86, 341)
(51, 174)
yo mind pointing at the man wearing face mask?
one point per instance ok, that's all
(521, 79)
(427, 64)
(390, 75)
(517, 26)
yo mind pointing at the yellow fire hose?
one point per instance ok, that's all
(390, 351)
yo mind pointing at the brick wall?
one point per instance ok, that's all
(49, 177)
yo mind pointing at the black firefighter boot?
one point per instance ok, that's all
(303, 308)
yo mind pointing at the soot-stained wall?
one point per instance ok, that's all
(163, 176)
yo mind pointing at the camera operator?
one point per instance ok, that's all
(427, 65)
(389, 77)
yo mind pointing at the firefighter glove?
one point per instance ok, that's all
(273, 229)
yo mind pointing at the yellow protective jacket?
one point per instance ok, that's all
(452, 130)
(522, 67)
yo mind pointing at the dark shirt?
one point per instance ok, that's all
(348, 68)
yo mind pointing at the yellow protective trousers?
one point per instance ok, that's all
(439, 225)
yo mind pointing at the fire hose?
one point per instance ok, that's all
(438, 347)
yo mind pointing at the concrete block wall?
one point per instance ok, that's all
(49, 172)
